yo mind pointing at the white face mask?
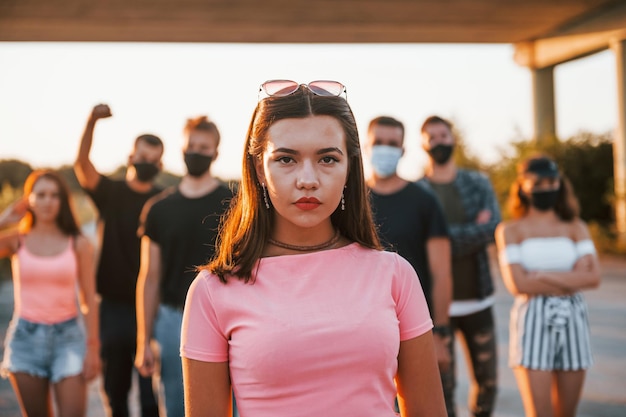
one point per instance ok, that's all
(385, 160)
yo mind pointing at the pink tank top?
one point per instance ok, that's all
(45, 286)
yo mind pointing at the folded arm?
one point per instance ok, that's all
(471, 237)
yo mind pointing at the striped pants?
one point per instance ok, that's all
(550, 333)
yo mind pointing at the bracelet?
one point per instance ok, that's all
(443, 330)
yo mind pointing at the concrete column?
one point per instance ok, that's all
(543, 103)
(619, 144)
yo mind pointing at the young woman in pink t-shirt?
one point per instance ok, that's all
(48, 344)
(300, 312)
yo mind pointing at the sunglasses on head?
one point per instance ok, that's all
(282, 88)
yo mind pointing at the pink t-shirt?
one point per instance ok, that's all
(317, 334)
(45, 286)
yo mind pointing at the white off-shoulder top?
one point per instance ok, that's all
(546, 253)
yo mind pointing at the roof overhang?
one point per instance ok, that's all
(544, 31)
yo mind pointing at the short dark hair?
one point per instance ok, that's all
(204, 124)
(434, 120)
(150, 139)
(247, 225)
(386, 121)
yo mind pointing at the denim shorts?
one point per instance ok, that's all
(51, 351)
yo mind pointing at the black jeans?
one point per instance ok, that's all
(118, 339)
(477, 332)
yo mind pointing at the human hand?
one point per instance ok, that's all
(547, 277)
(533, 274)
(91, 364)
(483, 216)
(583, 264)
(100, 111)
(144, 359)
(14, 212)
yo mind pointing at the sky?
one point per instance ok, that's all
(47, 91)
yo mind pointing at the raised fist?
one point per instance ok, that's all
(100, 111)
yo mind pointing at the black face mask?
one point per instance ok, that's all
(544, 200)
(146, 171)
(197, 164)
(441, 153)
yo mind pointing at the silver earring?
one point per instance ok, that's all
(343, 202)
(267, 204)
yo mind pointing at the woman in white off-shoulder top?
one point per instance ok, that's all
(546, 258)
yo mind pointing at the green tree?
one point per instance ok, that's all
(14, 172)
(8, 194)
(587, 160)
(462, 155)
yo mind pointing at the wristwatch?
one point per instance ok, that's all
(442, 330)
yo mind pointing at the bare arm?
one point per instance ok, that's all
(439, 261)
(10, 217)
(207, 388)
(147, 303)
(586, 271)
(471, 237)
(519, 281)
(9, 241)
(585, 275)
(88, 305)
(86, 173)
(418, 379)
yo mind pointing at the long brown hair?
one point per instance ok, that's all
(247, 225)
(566, 207)
(66, 221)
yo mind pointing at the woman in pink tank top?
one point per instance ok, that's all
(49, 344)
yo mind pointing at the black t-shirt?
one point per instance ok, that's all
(405, 221)
(119, 208)
(185, 230)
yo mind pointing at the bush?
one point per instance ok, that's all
(14, 172)
(587, 160)
(8, 194)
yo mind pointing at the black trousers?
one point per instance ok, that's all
(477, 333)
(118, 343)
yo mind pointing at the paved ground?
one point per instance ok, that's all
(605, 389)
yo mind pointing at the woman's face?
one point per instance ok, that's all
(44, 200)
(533, 182)
(305, 169)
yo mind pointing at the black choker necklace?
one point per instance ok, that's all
(329, 244)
